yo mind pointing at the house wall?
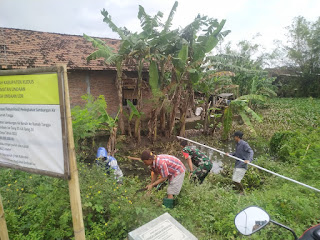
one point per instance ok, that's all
(77, 87)
(101, 83)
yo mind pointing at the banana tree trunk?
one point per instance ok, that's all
(153, 121)
(119, 89)
(176, 103)
(137, 129)
(139, 107)
(162, 113)
(111, 146)
(129, 128)
(183, 113)
(152, 125)
(163, 121)
(188, 101)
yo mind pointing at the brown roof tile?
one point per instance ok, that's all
(26, 49)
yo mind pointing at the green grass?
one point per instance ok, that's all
(288, 114)
(37, 207)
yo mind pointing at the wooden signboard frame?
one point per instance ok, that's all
(63, 109)
(70, 165)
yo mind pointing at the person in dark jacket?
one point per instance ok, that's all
(244, 152)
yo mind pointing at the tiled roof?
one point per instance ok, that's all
(26, 49)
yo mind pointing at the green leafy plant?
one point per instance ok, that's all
(88, 120)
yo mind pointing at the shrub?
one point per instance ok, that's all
(283, 143)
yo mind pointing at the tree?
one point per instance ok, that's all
(163, 43)
(247, 62)
(303, 52)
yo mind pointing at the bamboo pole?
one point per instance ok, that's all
(74, 187)
(3, 225)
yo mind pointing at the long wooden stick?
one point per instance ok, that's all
(3, 225)
(134, 158)
(74, 188)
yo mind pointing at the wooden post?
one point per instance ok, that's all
(74, 187)
(3, 225)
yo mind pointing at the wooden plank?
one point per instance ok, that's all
(60, 72)
(3, 225)
(74, 187)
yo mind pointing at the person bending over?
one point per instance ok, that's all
(199, 159)
(169, 167)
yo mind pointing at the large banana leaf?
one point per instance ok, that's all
(148, 23)
(154, 78)
(252, 113)
(103, 51)
(168, 23)
(183, 54)
(134, 110)
(114, 28)
(246, 119)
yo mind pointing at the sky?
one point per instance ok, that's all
(245, 18)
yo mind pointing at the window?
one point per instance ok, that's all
(129, 94)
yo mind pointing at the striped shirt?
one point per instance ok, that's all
(168, 166)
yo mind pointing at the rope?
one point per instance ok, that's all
(254, 165)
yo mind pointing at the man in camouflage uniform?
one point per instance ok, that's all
(200, 160)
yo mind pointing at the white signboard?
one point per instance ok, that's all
(32, 126)
(164, 227)
(164, 231)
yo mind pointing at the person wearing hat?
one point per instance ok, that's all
(169, 167)
(109, 163)
(244, 152)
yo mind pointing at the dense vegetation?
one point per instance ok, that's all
(37, 207)
(286, 130)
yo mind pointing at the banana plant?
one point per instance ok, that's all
(111, 57)
(209, 85)
(162, 44)
(134, 113)
(240, 106)
(132, 47)
(202, 35)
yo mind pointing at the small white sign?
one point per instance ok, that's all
(164, 227)
(164, 231)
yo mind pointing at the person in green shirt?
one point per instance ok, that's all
(199, 159)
